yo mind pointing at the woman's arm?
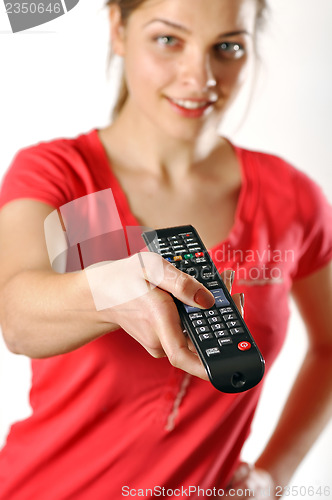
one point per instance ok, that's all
(43, 313)
(309, 405)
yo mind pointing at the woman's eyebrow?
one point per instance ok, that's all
(178, 26)
(168, 23)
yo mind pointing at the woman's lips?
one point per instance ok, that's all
(191, 108)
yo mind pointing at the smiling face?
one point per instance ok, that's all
(184, 60)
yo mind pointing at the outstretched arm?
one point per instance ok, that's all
(43, 313)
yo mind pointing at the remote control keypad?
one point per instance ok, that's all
(221, 322)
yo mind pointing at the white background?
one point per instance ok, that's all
(53, 83)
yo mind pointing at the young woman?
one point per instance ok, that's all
(121, 403)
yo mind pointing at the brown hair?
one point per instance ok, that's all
(126, 8)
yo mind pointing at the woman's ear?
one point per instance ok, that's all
(117, 30)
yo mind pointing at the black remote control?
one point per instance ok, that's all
(221, 337)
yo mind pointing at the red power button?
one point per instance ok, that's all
(244, 346)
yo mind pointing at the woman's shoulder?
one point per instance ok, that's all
(273, 170)
(52, 171)
(62, 148)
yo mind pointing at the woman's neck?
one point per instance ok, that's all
(135, 143)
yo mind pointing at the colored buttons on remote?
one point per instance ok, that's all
(222, 339)
(244, 346)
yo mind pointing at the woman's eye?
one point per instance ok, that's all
(166, 40)
(230, 50)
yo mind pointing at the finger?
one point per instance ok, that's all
(155, 353)
(228, 278)
(175, 343)
(186, 288)
(241, 474)
(239, 301)
(191, 346)
(190, 343)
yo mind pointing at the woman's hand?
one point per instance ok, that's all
(248, 477)
(136, 295)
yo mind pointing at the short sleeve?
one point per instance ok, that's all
(315, 217)
(39, 172)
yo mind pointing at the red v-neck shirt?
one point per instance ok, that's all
(108, 418)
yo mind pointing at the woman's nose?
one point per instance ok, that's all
(198, 73)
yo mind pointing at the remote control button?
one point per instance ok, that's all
(217, 326)
(200, 260)
(207, 275)
(199, 254)
(206, 272)
(189, 234)
(212, 284)
(195, 316)
(188, 256)
(203, 329)
(177, 257)
(213, 351)
(225, 310)
(180, 252)
(225, 341)
(214, 319)
(233, 324)
(167, 255)
(184, 264)
(244, 346)
(235, 331)
(199, 322)
(221, 333)
(191, 309)
(177, 264)
(193, 271)
(229, 317)
(205, 336)
(211, 312)
(220, 299)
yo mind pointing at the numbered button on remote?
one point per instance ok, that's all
(214, 319)
(229, 317)
(217, 326)
(233, 324)
(221, 333)
(199, 322)
(236, 331)
(211, 312)
(203, 329)
(205, 336)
